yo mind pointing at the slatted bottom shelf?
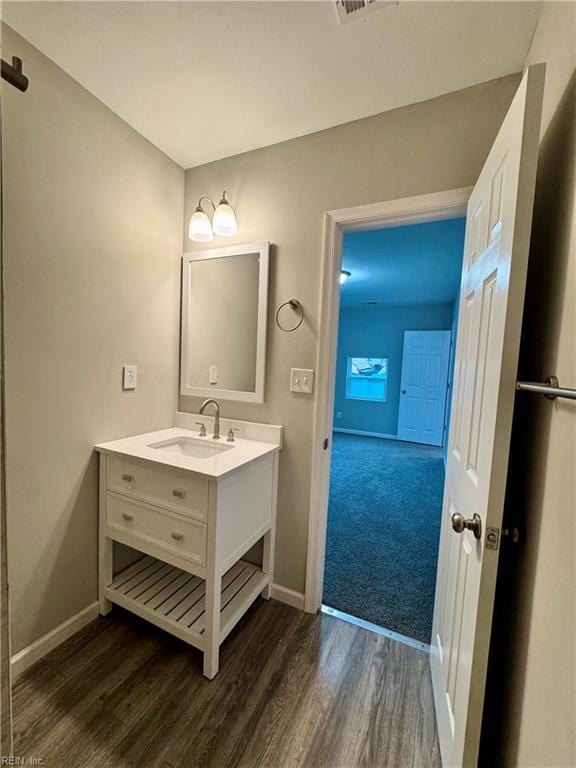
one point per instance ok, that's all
(176, 601)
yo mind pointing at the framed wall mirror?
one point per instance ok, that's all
(224, 319)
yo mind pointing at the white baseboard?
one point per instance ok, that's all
(28, 656)
(39, 648)
(288, 596)
(366, 434)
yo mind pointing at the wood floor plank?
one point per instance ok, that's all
(56, 706)
(262, 684)
(294, 691)
(194, 717)
(313, 664)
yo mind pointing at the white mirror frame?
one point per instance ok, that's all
(263, 250)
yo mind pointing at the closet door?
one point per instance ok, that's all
(423, 385)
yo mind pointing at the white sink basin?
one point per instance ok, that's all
(182, 447)
(196, 448)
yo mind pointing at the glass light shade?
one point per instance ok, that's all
(200, 229)
(224, 222)
(344, 275)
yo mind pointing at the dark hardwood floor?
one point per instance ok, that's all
(294, 691)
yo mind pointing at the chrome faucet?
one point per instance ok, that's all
(216, 435)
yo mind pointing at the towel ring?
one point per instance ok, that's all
(297, 307)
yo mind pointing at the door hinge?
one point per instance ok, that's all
(325, 444)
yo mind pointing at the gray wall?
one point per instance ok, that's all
(281, 194)
(532, 680)
(379, 332)
(93, 223)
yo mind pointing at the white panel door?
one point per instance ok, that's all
(492, 296)
(424, 380)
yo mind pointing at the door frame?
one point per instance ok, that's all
(436, 206)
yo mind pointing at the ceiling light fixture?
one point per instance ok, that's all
(202, 230)
(344, 275)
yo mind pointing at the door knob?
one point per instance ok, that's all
(460, 524)
(403, 391)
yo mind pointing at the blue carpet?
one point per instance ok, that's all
(383, 532)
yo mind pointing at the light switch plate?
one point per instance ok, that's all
(302, 380)
(213, 374)
(129, 376)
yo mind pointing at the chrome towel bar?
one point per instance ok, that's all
(549, 388)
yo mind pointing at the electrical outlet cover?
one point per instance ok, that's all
(129, 376)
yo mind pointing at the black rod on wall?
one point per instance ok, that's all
(549, 388)
(13, 73)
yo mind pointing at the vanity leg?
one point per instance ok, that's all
(105, 545)
(212, 627)
(105, 575)
(268, 562)
(269, 544)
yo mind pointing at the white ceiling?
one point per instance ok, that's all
(206, 80)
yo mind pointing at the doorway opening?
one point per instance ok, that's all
(338, 224)
(397, 325)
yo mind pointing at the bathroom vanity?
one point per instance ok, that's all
(193, 506)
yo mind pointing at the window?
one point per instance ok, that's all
(367, 378)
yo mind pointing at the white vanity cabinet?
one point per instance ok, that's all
(193, 520)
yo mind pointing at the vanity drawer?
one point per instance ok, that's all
(183, 537)
(186, 494)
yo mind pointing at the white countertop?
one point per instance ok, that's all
(241, 453)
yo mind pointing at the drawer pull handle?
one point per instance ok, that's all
(128, 478)
(127, 517)
(177, 536)
(180, 493)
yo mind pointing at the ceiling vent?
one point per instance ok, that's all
(352, 10)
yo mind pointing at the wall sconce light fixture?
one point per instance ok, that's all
(223, 223)
(344, 275)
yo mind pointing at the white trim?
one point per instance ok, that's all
(421, 208)
(365, 434)
(257, 396)
(287, 596)
(378, 630)
(24, 659)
